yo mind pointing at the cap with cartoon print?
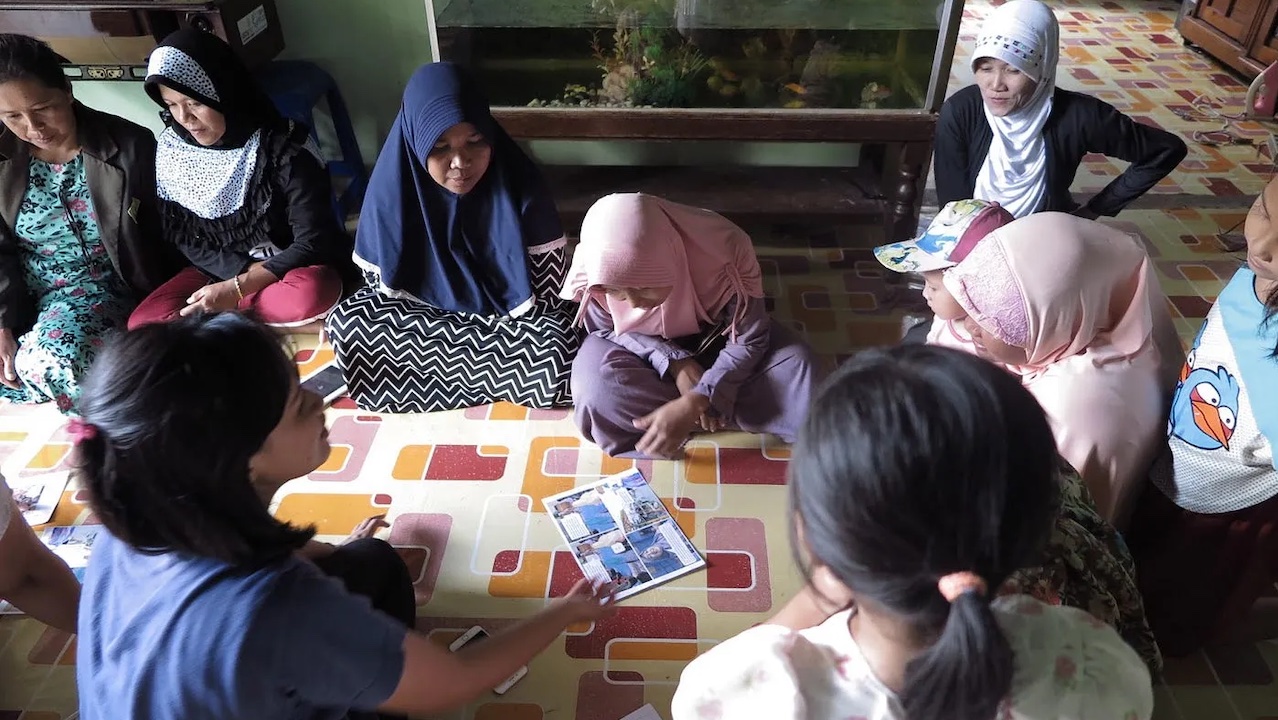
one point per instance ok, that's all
(951, 235)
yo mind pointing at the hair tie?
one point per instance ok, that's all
(79, 430)
(956, 584)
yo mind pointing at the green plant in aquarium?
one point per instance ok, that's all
(620, 64)
(644, 66)
(669, 75)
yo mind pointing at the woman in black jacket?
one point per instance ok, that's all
(1016, 139)
(79, 237)
(243, 194)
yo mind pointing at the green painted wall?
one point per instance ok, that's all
(370, 46)
(126, 99)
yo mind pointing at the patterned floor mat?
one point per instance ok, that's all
(463, 489)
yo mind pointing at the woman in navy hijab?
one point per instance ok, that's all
(463, 255)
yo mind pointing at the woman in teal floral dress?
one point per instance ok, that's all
(76, 213)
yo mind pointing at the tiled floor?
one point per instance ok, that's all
(463, 488)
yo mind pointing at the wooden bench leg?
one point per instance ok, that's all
(902, 217)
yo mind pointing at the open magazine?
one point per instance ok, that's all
(73, 544)
(620, 532)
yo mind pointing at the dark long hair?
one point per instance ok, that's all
(178, 410)
(917, 462)
(25, 58)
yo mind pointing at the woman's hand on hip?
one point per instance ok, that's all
(8, 355)
(1087, 213)
(213, 297)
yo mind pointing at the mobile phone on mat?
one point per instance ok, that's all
(478, 634)
(327, 382)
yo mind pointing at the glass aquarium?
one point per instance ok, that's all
(729, 54)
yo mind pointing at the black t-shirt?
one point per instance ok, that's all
(1079, 124)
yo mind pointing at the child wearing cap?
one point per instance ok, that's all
(951, 235)
(1082, 321)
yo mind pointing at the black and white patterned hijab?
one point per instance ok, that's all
(212, 181)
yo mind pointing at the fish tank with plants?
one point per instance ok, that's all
(757, 109)
(730, 54)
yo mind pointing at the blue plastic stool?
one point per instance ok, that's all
(296, 87)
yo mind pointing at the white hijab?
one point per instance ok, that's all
(1025, 35)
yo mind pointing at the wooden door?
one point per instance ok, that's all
(1264, 48)
(1232, 18)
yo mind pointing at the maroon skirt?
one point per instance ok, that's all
(1199, 573)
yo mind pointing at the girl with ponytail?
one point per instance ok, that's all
(922, 479)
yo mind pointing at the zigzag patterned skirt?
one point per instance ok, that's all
(402, 357)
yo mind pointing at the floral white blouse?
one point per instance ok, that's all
(1069, 666)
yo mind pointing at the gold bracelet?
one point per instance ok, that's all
(238, 290)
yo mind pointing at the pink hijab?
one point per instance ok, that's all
(1103, 354)
(634, 240)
